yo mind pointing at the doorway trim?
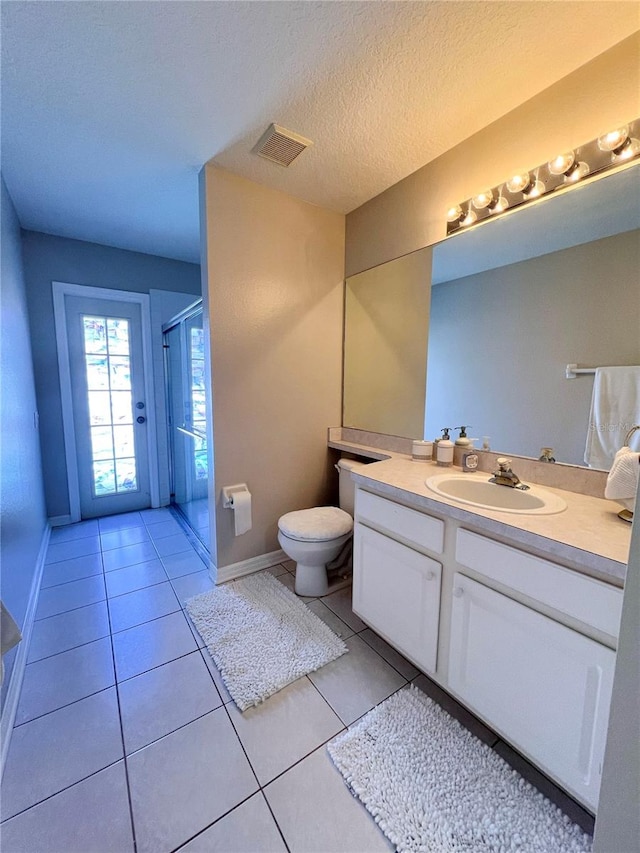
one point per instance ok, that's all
(60, 290)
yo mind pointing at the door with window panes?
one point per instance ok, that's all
(109, 405)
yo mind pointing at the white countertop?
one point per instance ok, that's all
(588, 534)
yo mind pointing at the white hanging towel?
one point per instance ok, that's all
(615, 408)
(10, 635)
(622, 482)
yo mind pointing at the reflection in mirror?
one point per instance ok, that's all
(516, 300)
(385, 348)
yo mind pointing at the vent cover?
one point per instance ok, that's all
(280, 145)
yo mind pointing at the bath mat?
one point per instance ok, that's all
(261, 636)
(433, 787)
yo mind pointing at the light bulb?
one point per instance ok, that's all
(518, 183)
(614, 139)
(483, 199)
(561, 164)
(630, 148)
(534, 190)
(470, 218)
(576, 172)
(454, 213)
(499, 205)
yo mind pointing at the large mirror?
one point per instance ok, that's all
(515, 300)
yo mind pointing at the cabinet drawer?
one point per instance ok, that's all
(416, 527)
(591, 601)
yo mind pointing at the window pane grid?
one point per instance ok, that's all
(108, 372)
(198, 408)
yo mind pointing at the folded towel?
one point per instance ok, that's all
(615, 408)
(622, 482)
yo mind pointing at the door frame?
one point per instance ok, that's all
(60, 291)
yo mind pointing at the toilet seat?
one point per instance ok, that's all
(319, 524)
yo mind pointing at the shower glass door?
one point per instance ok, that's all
(187, 419)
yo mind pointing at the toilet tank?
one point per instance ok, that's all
(347, 486)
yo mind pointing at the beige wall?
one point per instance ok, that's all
(411, 214)
(275, 268)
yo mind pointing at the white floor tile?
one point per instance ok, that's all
(130, 555)
(186, 586)
(140, 606)
(68, 630)
(357, 681)
(75, 531)
(69, 596)
(152, 644)
(64, 678)
(161, 529)
(283, 729)
(174, 544)
(249, 828)
(127, 580)
(72, 548)
(59, 749)
(158, 702)
(276, 571)
(340, 603)
(184, 782)
(329, 618)
(122, 538)
(317, 814)
(71, 570)
(405, 668)
(154, 516)
(183, 564)
(91, 816)
(217, 678)
(120, 522)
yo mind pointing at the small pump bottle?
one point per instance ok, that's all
(462, 440)
(444, 452)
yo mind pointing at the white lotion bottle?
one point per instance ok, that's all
(444, 453)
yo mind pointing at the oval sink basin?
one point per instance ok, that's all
(477, 491)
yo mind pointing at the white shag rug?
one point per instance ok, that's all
(434, 787)
(261, 636)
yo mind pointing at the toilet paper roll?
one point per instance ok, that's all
(242, 512)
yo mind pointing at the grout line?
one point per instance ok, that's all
(67, 704)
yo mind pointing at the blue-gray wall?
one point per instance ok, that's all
(22, 506)
(48, 258)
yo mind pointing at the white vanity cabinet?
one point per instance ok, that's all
(396, 587)
(543, 685)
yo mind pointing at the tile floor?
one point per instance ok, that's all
(126, 738)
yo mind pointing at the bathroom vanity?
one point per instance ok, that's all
(515, 615)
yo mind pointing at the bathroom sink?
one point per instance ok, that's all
(478, 491)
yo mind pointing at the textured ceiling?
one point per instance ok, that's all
(110, 109)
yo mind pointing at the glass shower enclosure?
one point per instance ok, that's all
(184, 359)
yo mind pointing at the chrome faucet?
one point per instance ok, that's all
(504, 476)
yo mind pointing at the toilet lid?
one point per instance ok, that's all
(318, 524)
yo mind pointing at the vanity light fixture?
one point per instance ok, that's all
(600, 155)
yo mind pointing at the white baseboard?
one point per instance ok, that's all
(247, 567)
(60, 520)
(17, 673)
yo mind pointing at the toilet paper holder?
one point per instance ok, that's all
(229, 491)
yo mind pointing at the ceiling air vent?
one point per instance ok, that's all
(281, 145)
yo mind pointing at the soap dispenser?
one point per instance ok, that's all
(444, 452)
(462, 440)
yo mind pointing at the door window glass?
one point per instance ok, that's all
(108, 372)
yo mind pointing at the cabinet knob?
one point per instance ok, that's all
(430, 576)
(458, 591)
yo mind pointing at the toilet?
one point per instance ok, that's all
(315, 537)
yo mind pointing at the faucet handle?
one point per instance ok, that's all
(503, 463)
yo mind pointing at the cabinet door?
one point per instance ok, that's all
(544, 686)
(396, 590)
